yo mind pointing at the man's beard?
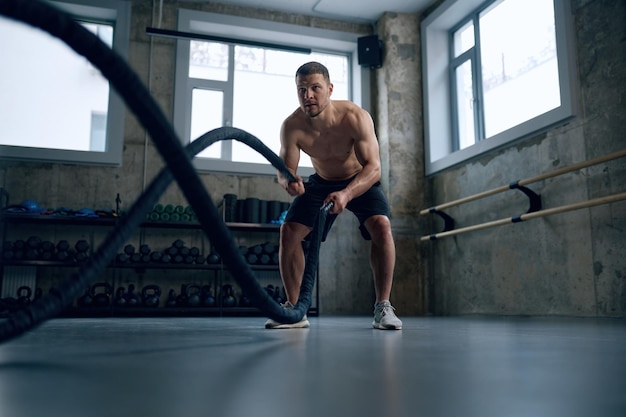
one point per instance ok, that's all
(314, 115)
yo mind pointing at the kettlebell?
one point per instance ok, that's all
(23, 295)
(85, 300)
(101, 294)
(150, 295)
(208, 300)
(171, 298)
(120, 300)
(181, 299)
(132, 299)
(278, 295)
(245, 301)
(193, 295)
(228, 296)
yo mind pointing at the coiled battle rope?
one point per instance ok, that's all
(178, 167)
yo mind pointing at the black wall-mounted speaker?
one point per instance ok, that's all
(370, 51)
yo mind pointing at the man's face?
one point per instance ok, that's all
(313, 93)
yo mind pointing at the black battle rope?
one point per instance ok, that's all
(178, 167)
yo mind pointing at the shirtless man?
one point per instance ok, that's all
(340, 139)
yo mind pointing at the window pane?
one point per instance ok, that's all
(338, 68)
(98, 132)
(258, 71)
(43, 102)
(465, 105)
(207, 114)
(208, 60)
(519, 65)
(253, 114)
(463, 39)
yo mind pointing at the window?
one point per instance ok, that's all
(506, 75)
(250, 87)
(55, 106)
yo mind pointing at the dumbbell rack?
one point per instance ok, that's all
(216, 275)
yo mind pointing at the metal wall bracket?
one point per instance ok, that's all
(534, 198)
(448, 221)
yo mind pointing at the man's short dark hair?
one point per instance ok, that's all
(313, 68)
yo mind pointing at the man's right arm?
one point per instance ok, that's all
(290, 154)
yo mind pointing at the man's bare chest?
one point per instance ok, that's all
(323, 145)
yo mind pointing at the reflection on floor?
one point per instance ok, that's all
(233, 367)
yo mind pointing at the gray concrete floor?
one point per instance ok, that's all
(435, 366)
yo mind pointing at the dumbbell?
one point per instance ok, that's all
(256, 249)
(155, 256)
(81, 245)
(47, 250)
(122, 258)
(270, 248)
(8, 250)
(129, 250)
(213, 258)
(63, 251)
(63, 246)
(264, 259)
(19, 247)
(145, 251)
(252, 258)
(33, 246)
(82, 248)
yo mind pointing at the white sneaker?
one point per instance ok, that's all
(273, 324)
(385, 318)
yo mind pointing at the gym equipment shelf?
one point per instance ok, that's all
(218, 278)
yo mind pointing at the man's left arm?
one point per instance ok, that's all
(367, 152)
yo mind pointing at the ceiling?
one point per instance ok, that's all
(359, 11)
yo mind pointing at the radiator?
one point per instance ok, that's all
(14, 277)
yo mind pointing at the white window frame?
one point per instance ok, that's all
(438, 136)
(248, 29)
(117, 13)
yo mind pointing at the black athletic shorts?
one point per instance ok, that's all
(305, 208)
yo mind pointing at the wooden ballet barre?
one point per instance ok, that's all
(521, 183)
(529, 216)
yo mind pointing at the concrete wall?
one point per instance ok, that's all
(566, 264)
(398, 103)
